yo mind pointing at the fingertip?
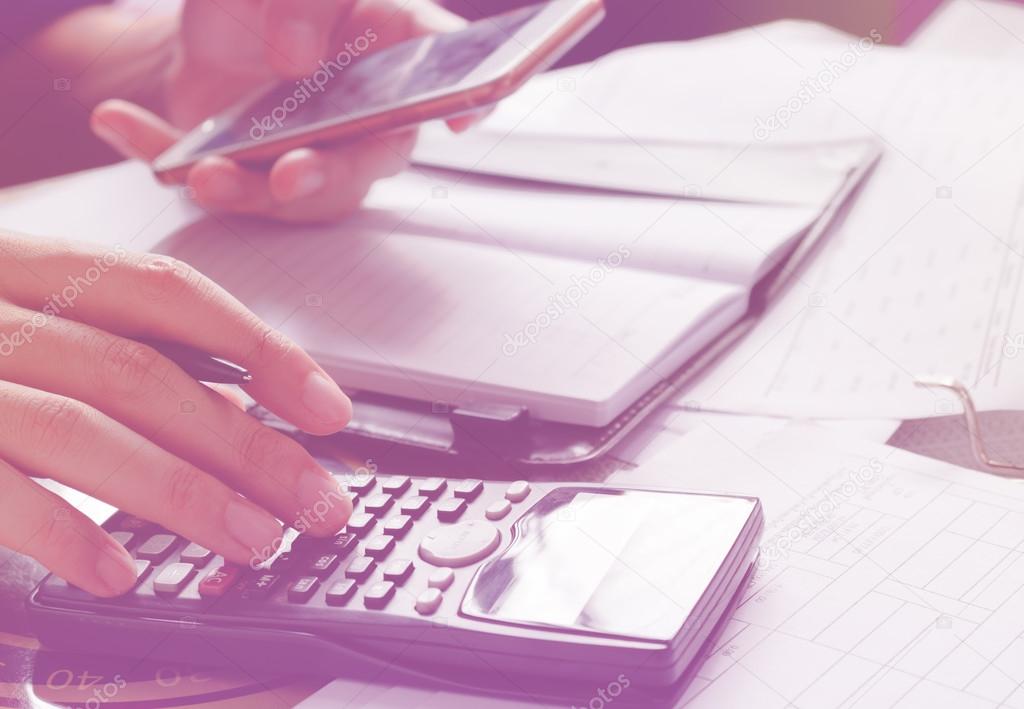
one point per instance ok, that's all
(327, 505)
(328, 406)
(116, 571)
(131, 130)
(297, 175)
(216, 182)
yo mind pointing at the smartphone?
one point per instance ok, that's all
(437, 76)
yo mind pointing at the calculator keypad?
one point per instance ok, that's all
(407, 537)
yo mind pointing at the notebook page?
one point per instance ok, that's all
(462, 323)
(713, 240)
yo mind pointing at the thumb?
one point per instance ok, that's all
(132, 130)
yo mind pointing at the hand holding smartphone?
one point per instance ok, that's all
(352, 96)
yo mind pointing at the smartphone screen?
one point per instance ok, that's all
(350, 85)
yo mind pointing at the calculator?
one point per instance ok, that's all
(469, 582)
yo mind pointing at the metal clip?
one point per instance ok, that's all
(997, 467)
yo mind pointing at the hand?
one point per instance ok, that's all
(227, 49)
(82, 402)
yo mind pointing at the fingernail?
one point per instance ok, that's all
(221, 187)
(322, 499)
(309, 182)
(327, 402)
(116, 569)
(298, 42)
(253, 528)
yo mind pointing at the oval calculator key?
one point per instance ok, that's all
(460, 545)
(497, 510)
(441, 578)
(429, 601)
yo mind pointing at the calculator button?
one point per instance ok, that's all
(259, 587)
(358, 483)
(415, 506)
(124, 538)
(360, 523)
(281, 563)
(343, 544)
(378, 504)
(395, 485)
(450, 509)
(360, 568)
(306, 544)
(218, 581)
(156, 548)
(469, 490)
(498, 509)
(131, 523)
(428, 602)
(518, 491)
(379, 547)
(340, 592)
(378, 595)
(196, 555)
(324, 565)
(398, 526)
(173, 578)
(354, 496)
(398, 571)
(431, 488)
(441, 578)
(461, 544)
(303, 589)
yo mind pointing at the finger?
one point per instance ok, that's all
(465, 121)
(386, 22)
(304, 185)
(131, 130)
(144, 296)
(40, 524)
(302, 33)
(135, 385)
(231, 393)
(298, 32)
(331, 182)
(42, 433)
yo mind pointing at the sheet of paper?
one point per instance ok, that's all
(886, 579)
(924, 274)
(984, 28)
(793, 174)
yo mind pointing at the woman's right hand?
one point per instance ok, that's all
(84, 403)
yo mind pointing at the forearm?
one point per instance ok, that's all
(51, 81)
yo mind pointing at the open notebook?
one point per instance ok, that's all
(468, 292)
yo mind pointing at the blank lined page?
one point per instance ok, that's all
(463, 323)
(722, 241)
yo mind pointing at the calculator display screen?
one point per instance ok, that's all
(619, 562)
